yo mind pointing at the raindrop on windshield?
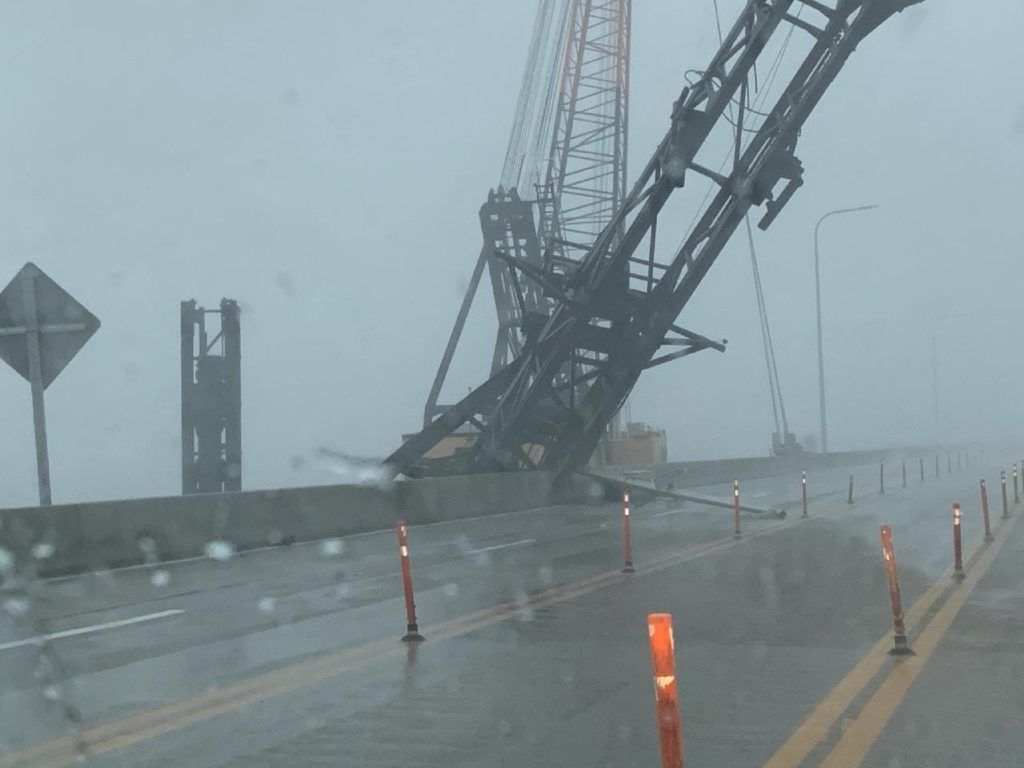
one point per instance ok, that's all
(148, 549)
(42, 550)
(332, 547)
(219, 550)
(17, 606)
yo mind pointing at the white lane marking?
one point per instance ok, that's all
(501, 546)
(90, 629)
(670, 512)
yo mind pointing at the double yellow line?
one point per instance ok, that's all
(859, 736)
(151, 723)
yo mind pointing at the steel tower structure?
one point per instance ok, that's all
(604, 332)
(564, 174)
(211, 400)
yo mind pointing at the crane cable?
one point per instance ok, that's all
(536, 93)
(774, 386)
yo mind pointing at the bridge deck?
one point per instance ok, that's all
(536, 648)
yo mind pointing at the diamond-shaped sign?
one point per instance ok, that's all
(64, 325)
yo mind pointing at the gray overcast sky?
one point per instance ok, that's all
(322, 161)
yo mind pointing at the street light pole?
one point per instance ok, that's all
(935, 374)
(817, 302)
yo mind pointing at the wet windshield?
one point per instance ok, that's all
(538, 383)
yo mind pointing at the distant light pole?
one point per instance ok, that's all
(817, 301)
(935, 373)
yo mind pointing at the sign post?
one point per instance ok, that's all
(41, 328)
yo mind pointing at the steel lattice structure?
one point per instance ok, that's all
(548, 211)
(586, 169)
(211, 400)
(604, 332)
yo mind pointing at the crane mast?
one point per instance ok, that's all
(604, 332)
(564, 174)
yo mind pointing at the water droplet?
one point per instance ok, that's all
(266, 605)
(17, 606)
(275, 537)
(6, 560)
(332, 547)
(547, 575)
(505, 727)
(42, 550)
(148, 548)
(284, 280)
(451, 589)
(219, 550)
(51, 693)
(160, 578)
(357, 471)
(524, 609)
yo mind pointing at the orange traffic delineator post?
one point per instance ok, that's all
(627, 540)
(849, 494)
(899, 632)
(412, 630)
(904, 473)
(736, 509)
(958, 563)
(666, 695)
(803, 491)
(881, 478)
(1002, 482)
(984, 511)
(1016, 495)
(922, 468)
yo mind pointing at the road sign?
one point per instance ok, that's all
(41, 328)
(64, 324)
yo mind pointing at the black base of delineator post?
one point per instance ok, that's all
(900, 646)
(412, 634)
(628, 567)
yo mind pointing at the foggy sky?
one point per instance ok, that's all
(322, 162)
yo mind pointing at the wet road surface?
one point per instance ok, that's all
(536, 648)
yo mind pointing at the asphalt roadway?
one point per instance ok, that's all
(536, 644)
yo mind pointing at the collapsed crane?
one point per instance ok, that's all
(615, 314)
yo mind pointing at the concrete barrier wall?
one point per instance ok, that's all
(688, 474)
(100, 535)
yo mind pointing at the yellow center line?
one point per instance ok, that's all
(820, 721)
(147, 724)
(862, 733)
